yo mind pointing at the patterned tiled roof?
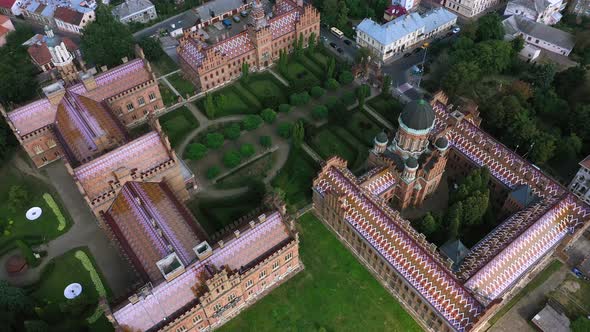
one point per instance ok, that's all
(41, 113)
(139, 211)
(171, 296)
(234, 46)
(138, 156)
(380, 182)
(284, 23)
(386, 232)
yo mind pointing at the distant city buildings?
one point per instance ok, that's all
(394, 11)
(66, 15)
(470, 8)
(39, 49)
(538, 35)
(580, 184)
(6, 27)
(216, 11)
(541, 11)
(141, 11)
(406, 4)
(392, 38)
(578, 7)
(209, 66)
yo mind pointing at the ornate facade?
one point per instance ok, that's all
(410, 267)
(209, 66)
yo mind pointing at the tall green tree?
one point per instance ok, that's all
(454, 220)
(283, 62)
(386, 86)
(210, 108)
(490, 27)
(342, 18)
(17, 72)
(311, 43)
(362, 92)
(245, 72)
(428, 225)
(105, 40)
(543, 76)
(330, 11)
(331, 68)
(298, 134)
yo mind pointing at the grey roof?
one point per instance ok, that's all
(381, 137)
(411, 162)
(550, 320)
(391, 31)
(523, 195)
(517, 24)
(131, 7)
(218, 7)
(455, 250)
(536, 5)
(418, 115)
(441, 142)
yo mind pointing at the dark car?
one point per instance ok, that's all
(407, 55)
(347, 42)
(339, 50)
(333, 44)
(418, 50)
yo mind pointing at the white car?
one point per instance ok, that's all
(456, 30)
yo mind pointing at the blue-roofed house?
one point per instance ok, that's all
(66, 15)
(392, 38)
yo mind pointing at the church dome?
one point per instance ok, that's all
(411, 163)
(441, 143)
(381, 138)
(417, 115)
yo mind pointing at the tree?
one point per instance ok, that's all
(268, 115)
(348, 98)
(493, 56)
(331, 68)
(13, 299)
(196, 151)
(386, 86)
(362, 92)
(490, 27)
(213, 172)
(210, 108)
(231, 159)
(461, 76)
(245, 72)
(284, 108)
(17, 72)
(221, 101)
(298, 99)
(581, 324)
(544, 147)
(36, 326)
(17, 197)
(284, 129)
(105, 40)
(298, 133)
(21, 34)
(247, 150)
(8, 142)
(330, 11)
(342, 18)
(319, 112)
(151, 48)
(569, 148)
(332, 84)
(428, 225)
(543, 76)
(251, 122)
(454, 220)
(265, 141)
(362, 55)
(345, 77)
(214, 140)
(232, 131)
(317, 91)
(521, 89)
(474, 207)
(311, 40)
(517, 44)
(298, 46)
(283, 63)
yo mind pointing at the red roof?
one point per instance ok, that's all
(396, 10)
(4, 31)
(4, 19)
(7, 3)
(40, 53)
(68, 15)
(586, 162)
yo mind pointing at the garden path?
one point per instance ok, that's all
(278, 77)
(165, 80)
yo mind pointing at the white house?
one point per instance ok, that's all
(542, 11)
(470, 8)
(141, 11)
(66, 15)
(391, 38)
(580, 184)
(539, 35)
(578, 7)
(72, 20)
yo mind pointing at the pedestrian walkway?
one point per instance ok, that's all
(378, 117)
(165, 80)
(278, 77)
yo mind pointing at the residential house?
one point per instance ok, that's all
(9, 7)
(392, 38)
(538, 35)
(394, 11)
(580, 184)
(66, 15)
(542, 11)
(578, 7)
(141, 11)
(5, 28)
(39, 51)
(470, 8)
(71, 20)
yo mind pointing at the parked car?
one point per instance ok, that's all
(407, 55)
(456, 30)
(244, 13)
(339, 50)
(227, 23)
(347, 42)
(237, 19)
(333, 44)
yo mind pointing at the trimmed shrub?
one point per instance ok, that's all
(319, 112)
(214, 140)
(332, 84)
(247, 150)
(55, 208)
(298, 99)
(265, 141)
(232, 131)
(348, 98)
(345, 77)
(317, 91)
(284, 108)
(232, 159)
(284, 129)
(268, 115)
(213, 171)
(251, 122)
(196, 151)
(27, 253)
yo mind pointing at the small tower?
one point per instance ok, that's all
(410, 169)
(380, 142)
(442, 145)
(61, 58)
(257, 16)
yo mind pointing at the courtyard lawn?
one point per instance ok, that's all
(327, 144)
(164, 65)
(233, 103)
(177, 124)
(53, 221)
(312, 66)
(265, 85)
(253, 171)
(215, 214)
(388, 107)
(246, 95)
(320, 59)
(295, 179)
(168, 97)
(296, 70)
(181, 85)
(333, 293)
(363, 128)
(573, 295)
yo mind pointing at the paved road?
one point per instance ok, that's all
(185, 19)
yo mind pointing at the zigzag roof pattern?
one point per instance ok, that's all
(401, 248)
(380, 182)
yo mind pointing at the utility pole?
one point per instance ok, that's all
(422, 70)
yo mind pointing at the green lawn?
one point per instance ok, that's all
(168, 97)
(295, 179)
(164, 65)
(327, 144)
(265, 86)
(312, 66)
(553, 267)
(214, 214)
(388, 107)
(256, 170)
(296, 70)
(181, 85)
(15, 225)
(320, 59)
(177, 124)
(333, 293)
(573, 295)
(233, 103)
(246, 95)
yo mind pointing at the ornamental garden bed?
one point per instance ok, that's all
(168, 97)
(295, 179)
(181, 85)
(178, 123)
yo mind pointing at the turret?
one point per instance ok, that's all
(410, 168)
(380, 142)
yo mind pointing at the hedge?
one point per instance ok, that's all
(55, 208)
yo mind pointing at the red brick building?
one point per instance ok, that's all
(208, 66)
(411, 268)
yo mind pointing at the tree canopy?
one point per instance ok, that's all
(17, 72)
